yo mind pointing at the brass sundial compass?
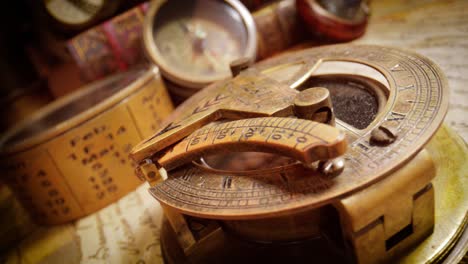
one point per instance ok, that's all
(286, 160)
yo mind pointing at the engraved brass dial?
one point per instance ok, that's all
(415, 104)
(304, 140)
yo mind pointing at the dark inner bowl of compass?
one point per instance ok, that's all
(246, 161)
(355, 99)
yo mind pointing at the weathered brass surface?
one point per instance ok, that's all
(449, 153)
(70, 158)
(384, 197)
(415, 107)
(303, 140)
(385, 219)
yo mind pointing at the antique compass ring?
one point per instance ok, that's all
(378, 207)
(193, 42)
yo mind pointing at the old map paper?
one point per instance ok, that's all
(128, 231)
(124, 232)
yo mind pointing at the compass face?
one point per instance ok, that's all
(198, 43)
(194, 42)
(415, 104)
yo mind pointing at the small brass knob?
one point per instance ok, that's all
(315, 104)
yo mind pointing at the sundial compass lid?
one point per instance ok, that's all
(409, 110)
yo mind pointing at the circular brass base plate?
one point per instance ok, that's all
(449, 152)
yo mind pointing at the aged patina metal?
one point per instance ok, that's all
(376, 209)
(444, 245)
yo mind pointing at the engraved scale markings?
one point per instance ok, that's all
(254, 135)
(403, 88)
(414, 126)
(251, 96)
(275, 197)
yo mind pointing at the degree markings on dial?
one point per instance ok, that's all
(412, 120)
(280, 137)
(403, 88)
(397, 68)
(224, 196)
(188, 175)
(395, 116)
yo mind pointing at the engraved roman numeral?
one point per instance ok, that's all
(227, 181)
(395, 116)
